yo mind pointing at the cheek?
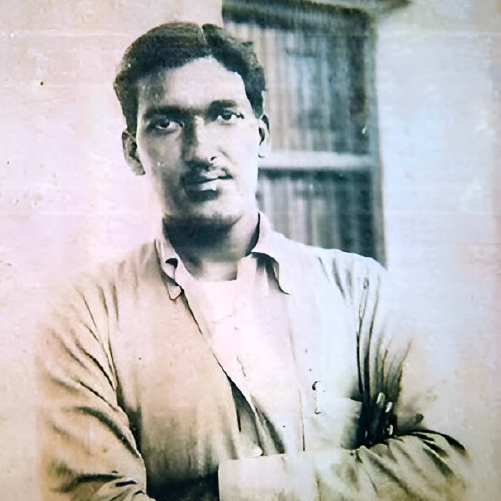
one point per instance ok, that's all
(156, 154)
(243, 144)
(160, 166)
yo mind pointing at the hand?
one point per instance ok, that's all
(381, 420)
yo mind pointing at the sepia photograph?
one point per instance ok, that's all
(250, 250)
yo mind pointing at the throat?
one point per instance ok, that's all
(212, 271)
(211, 252)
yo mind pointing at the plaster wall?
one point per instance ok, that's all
(439, 83)
(67, 199)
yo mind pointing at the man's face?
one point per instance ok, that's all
(198, 139)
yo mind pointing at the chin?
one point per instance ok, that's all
(202, 218)
(224, 211)
(218, 219)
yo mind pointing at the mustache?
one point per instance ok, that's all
(201, 171)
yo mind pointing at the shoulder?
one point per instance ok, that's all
(351, 273)
(127, 271)
(340, 261)
(91, 296)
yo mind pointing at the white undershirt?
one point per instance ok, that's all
(250, 338)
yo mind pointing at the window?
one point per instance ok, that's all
(321, 183)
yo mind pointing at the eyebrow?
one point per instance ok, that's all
(163, 110)
(179, 111)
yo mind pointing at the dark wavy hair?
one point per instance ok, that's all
(173, 45)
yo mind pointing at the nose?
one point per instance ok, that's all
(197, 145)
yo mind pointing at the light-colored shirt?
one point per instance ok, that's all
(297, 386)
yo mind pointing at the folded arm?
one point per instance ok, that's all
(408, 448)
(87, 449)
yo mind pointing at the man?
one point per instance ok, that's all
(224, 361)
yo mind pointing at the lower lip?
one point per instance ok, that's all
(209, 185)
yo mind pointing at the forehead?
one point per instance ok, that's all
(194, 85)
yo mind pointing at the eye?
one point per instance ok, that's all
(164, 124)
(228, 117)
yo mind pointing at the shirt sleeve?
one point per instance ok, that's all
(409, 450)
(86, 448)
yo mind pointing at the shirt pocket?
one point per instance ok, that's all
(334, 422)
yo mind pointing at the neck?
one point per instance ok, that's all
(212, 251)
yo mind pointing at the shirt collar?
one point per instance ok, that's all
(273, 245)
(270, 244)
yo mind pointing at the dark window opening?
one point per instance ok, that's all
(321, 183)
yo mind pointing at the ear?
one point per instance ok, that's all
(264, 134)
(129, 146)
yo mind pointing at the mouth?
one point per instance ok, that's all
(203, 182)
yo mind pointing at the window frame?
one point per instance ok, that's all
(281, 13)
